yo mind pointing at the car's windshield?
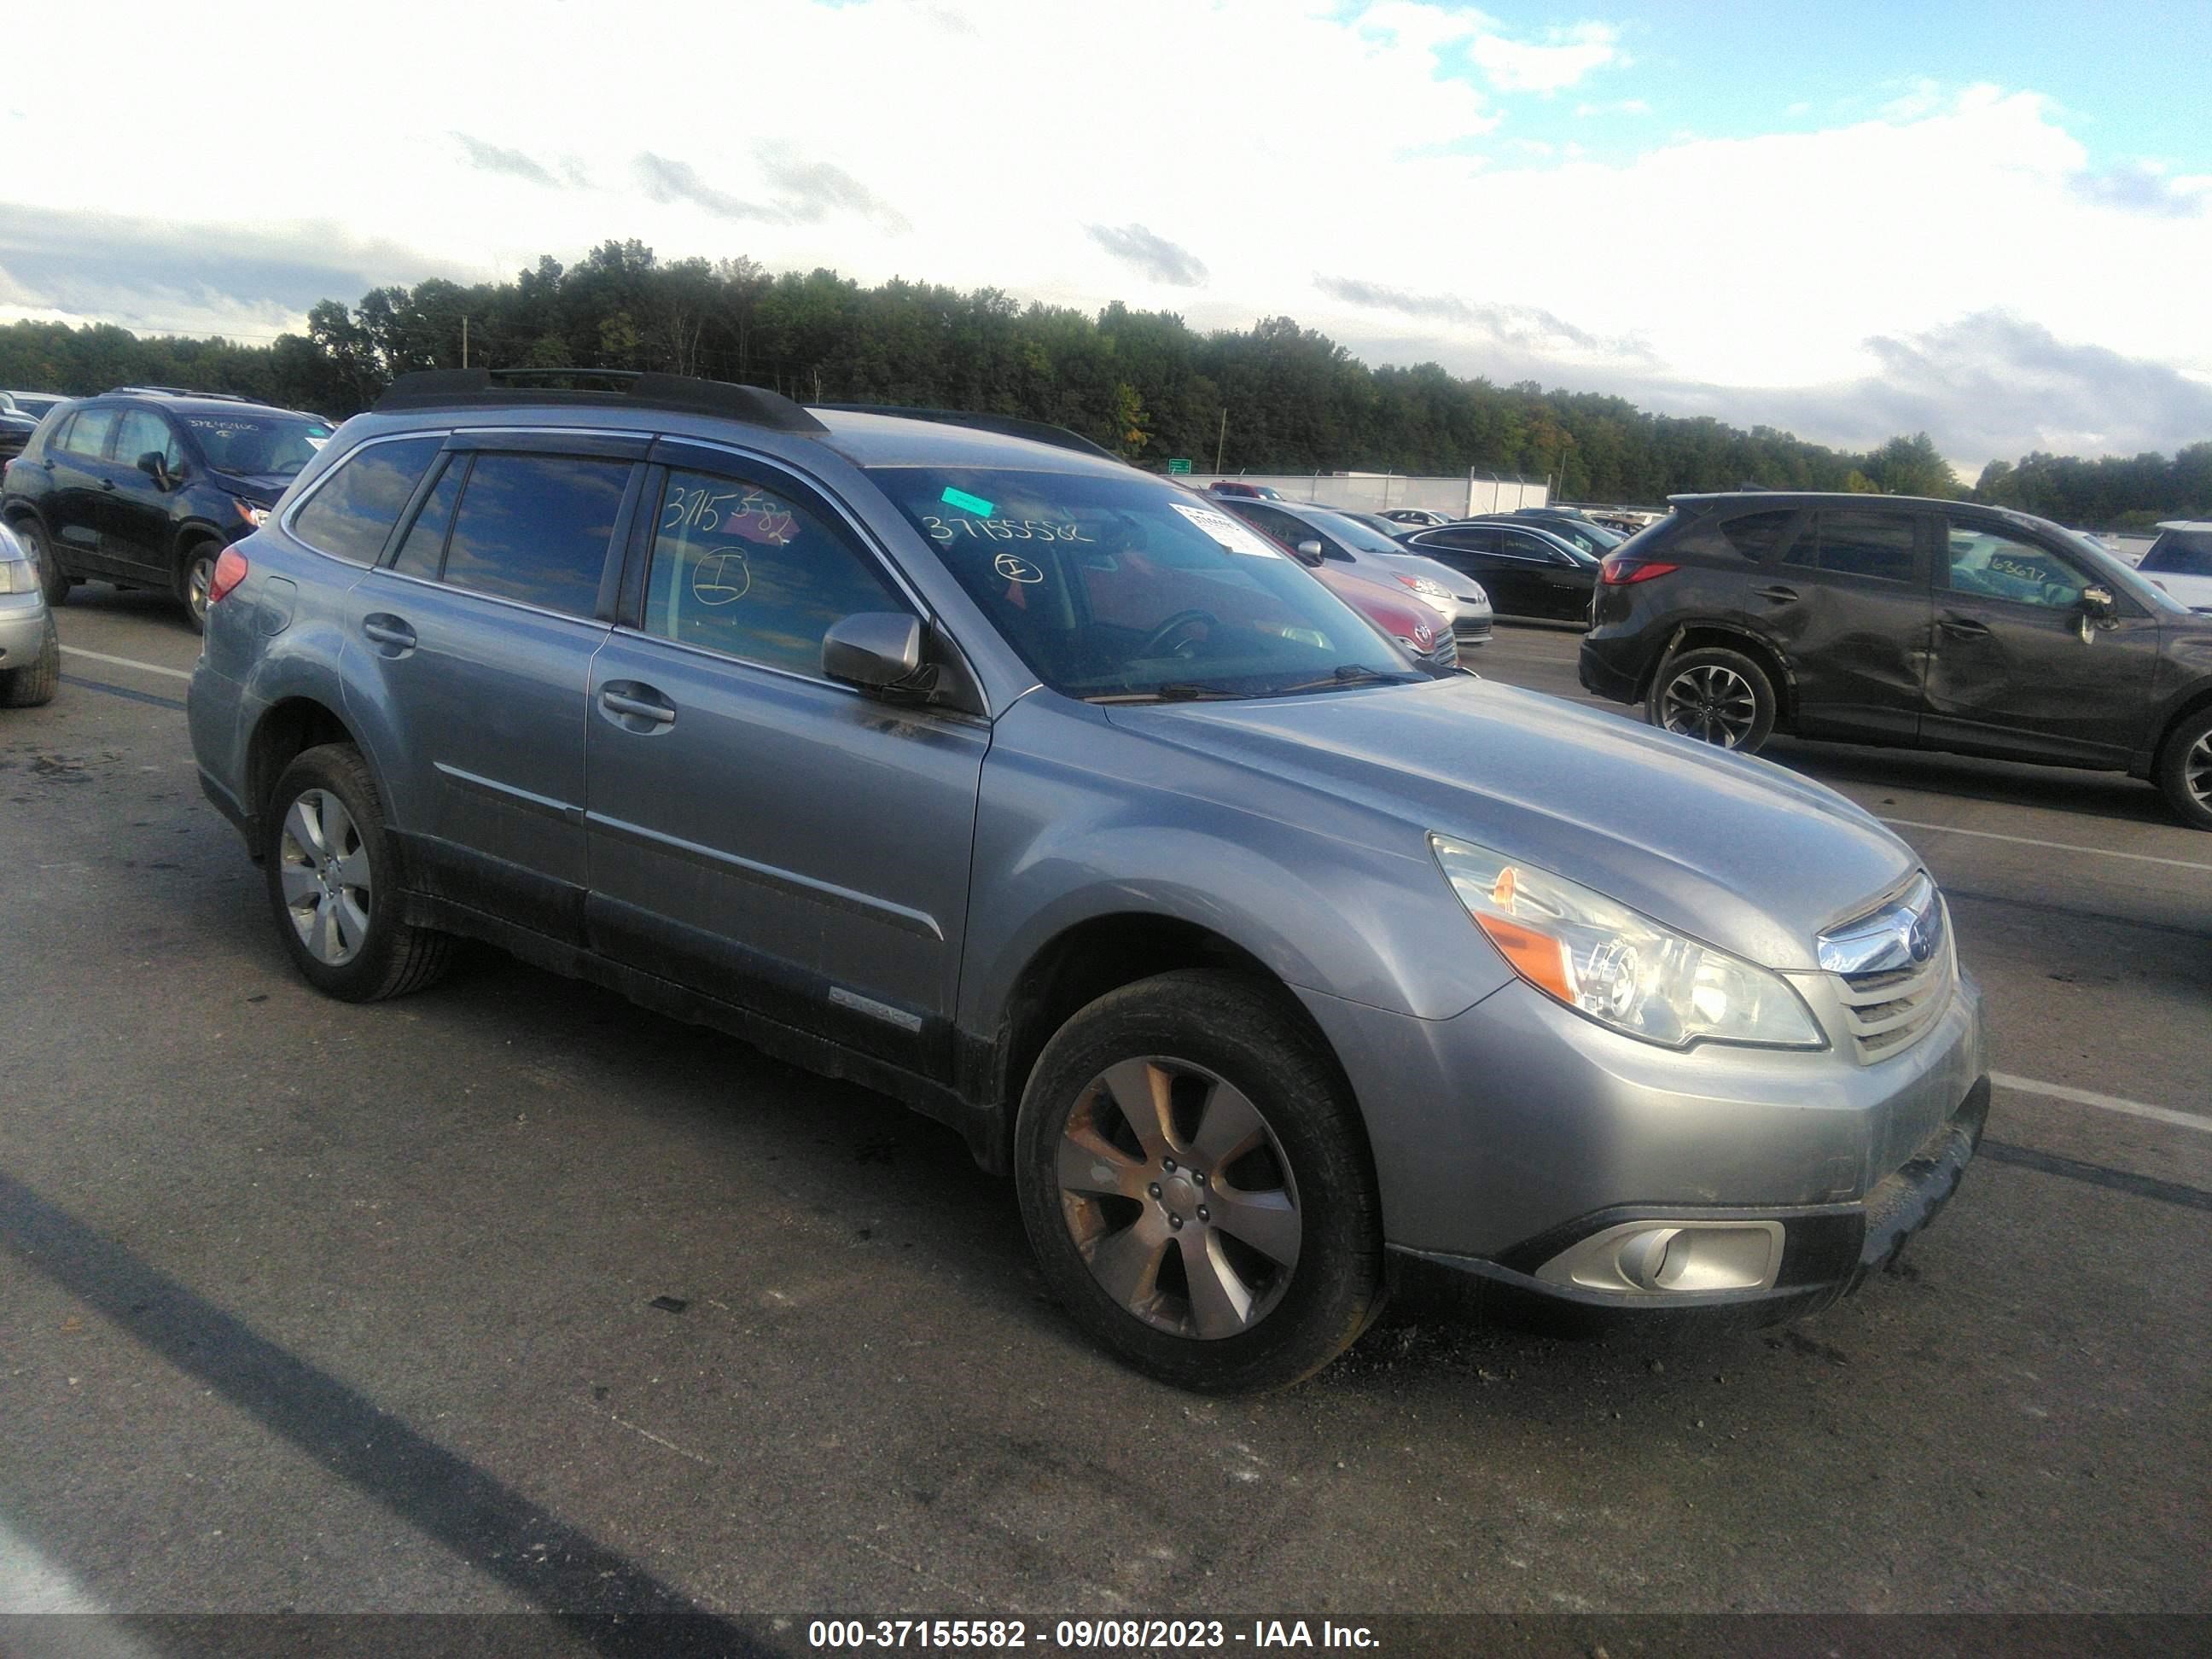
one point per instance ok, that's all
(2179, 553)
(2109, 567)
(251, 444)
(1589, 538)
(1116, 585)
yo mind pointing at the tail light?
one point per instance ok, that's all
(229, 570)
(1617, 572)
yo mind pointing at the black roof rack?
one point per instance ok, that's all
(446, 388)
(176, 391)
(1008, 426)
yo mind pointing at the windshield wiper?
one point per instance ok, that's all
(1174, 691)
(1350, 673)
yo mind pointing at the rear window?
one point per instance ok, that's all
(1756, 536)
(353, 509)
(2179, 553)
(1859, 542)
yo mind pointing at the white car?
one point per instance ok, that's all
(2180, 562)
(30, 650)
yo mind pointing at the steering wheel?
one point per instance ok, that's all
(1156, 642)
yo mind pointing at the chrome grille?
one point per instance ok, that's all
(1894, 969)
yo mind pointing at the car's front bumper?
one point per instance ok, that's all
(1508, 1135)
(22, 629)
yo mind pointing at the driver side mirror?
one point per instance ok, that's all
(2098, 603)
(155, 468)
(1309, 551)
(880, 651)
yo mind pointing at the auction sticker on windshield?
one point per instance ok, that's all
(1236, 537)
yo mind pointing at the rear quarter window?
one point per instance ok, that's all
(353, 510)
(1758, 536)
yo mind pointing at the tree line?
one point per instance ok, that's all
(1144, 384)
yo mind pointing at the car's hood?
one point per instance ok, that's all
(1734, 850)
(262, 488)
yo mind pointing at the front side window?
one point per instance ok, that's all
(1989, 564)
(535, 528)
(1858, 542)
(743, 570)
(353, 509)
(249, 444)
(143, 432)
(87, 436)
(1114, 586)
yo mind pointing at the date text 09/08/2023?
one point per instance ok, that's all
(1085, 1634)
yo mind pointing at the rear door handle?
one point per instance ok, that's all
(387, 630)
(107, 483)
(1963, 628)
(1778, 593)
(628, 701)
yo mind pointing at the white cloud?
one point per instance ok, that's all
(1036, 145)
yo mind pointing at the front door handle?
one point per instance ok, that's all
(387, 629)
(1963, 628)
(107, 483)
(635, 707)
(1778, 593)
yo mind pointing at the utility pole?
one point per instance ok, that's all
(1219, 442)
(465, 343)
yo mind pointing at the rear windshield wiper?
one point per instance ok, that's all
(1174, 691)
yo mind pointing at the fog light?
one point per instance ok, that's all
(1664, 1256)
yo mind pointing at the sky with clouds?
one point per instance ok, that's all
(1994, 224)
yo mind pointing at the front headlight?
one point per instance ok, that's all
(253, 514)
(1617, 966)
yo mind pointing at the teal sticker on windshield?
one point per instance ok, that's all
(965, 502)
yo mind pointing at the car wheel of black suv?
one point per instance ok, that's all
(2185, 770)
(195, 575)
(1715, 696)
(52, 577)
(1196, 1188)
(334, 884)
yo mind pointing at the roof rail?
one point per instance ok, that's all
(176, 391)
(449, 388)
(1009, 426)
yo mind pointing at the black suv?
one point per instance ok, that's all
(1928, 625)
(145, 486)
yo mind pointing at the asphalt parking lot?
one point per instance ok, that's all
(510, 1296)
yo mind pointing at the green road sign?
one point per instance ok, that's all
(1179, 465)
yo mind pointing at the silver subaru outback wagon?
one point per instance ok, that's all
(963, 760)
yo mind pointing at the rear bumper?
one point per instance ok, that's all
(1600, 677)
(1828, 1251)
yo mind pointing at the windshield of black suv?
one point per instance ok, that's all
(1116, 585)
(2179, 553)
(253, 444)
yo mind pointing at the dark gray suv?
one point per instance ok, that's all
(989, 771)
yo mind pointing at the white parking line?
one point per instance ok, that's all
(128, 662)
(2027, 1086)
(2051, 845)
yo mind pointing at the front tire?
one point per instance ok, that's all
(333, 882)
(2185, 770)
(195, 576)
(1715, 696)
(1197, 1187)
(36, 682)
(52, 578)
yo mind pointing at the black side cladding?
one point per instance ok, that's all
(455, 388)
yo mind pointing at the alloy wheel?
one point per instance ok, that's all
(326, 878)
(2197, 771)
(1711, 703)
(200, 577)
(1179, 1197)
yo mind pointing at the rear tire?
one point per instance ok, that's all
(52, 578)
(2185, 770)
(334, 883)
(1197, 1187)
(1716, 696)
(37, 681)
